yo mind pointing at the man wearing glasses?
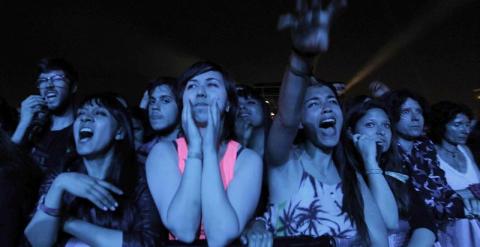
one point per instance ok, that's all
(45, 126)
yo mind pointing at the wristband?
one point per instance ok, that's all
(194, 156)
(54, 212)
(374, 171)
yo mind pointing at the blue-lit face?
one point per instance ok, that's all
(204, 90)
(322, 116)
(458, 130)
(94, 130)
(162, 108)
(250, 110)
(411, 120)
(54, 88)
(375, 123)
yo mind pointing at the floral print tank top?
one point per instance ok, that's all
(315, 210)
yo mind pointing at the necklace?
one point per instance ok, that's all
(452, 153)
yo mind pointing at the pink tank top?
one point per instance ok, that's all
(227, 167)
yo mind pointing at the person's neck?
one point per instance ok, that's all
(448, 146)
(99, 166)
(170, 136)
(62, 120)
(406, 145)
(257, 141)
(321, 157)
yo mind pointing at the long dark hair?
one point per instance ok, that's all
(386, 160)
(122, 173)
(352, 202)
(206, 66)
(442, 113)
(246, 91)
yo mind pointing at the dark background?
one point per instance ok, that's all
(119, 47)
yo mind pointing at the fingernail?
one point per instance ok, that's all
(116, 204)
(105, 209)
(112, 208)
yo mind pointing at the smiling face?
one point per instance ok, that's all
(203, 90)
(375, 123)
(95, 130)
(457, 130)
(322, 117)
(410, 124)
(162, 108)
(54, 88)
(250, 109)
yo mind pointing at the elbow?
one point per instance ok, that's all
(392, 223)
(36, 241)
(184, 234)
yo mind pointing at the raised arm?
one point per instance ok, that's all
(30, 106)
(310, 33)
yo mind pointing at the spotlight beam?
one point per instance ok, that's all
(419, 27)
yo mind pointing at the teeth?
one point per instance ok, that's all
(330, 120)
(327, 123)
(86, 129)
(86, 133)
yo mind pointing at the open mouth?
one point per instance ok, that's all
(328, 123)
(51, 95)
(85, 134)
(244, 115)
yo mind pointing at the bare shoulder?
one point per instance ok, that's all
(162, 151)
(248, 159)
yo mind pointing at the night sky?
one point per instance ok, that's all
(120, 47)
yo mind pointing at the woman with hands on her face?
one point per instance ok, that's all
(205, 185)
(102, 198)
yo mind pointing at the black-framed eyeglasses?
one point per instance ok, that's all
(55, 80)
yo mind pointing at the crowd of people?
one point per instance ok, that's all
(200, 160)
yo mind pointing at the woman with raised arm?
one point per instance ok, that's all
(368, 138)
(313, 190)
(206, 186)
(102, 199)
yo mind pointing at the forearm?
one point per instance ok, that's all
(220, 220)
(19, 134)
(293, 89)
(92, 234)
(383, 196)
(184, 212)
(43, 229)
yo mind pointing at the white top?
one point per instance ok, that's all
(456, 179)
